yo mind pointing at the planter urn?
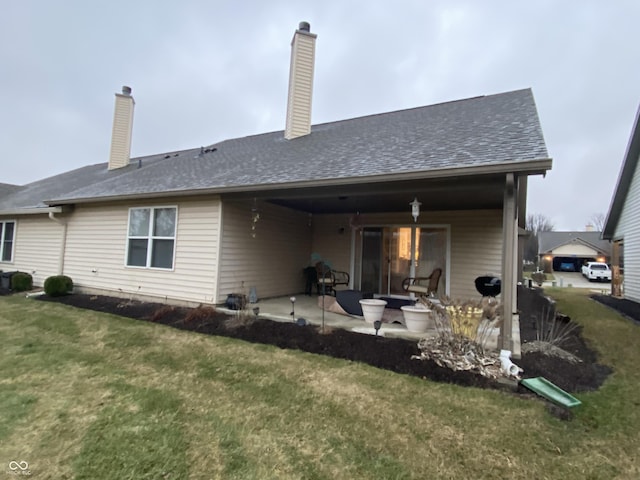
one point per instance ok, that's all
(416, 318)
(372, 309)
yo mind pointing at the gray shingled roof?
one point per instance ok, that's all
(7, 188)
(548, 241)
(500, 130)
(34, 194)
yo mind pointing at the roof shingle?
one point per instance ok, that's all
(488, 130)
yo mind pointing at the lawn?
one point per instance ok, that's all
(90, 396)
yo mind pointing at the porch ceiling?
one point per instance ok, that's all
(463, 193)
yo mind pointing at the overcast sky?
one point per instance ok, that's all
(204, 71)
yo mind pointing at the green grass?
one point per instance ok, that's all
(90, 396)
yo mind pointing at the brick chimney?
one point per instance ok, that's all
(303, 52)
(122, 127)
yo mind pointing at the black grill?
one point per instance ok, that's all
(488, 286)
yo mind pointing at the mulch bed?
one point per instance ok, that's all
(584, 376)
(388, 353)
(628, 308)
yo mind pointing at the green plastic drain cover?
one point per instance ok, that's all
(548, 390)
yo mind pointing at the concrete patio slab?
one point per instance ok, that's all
(281, 308)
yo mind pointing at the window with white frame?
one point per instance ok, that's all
(151, 237)
(7, 232)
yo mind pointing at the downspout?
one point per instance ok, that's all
(63, 244)
(509, 239)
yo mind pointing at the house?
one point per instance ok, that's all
(622, 225)
(197, 225)
(568, 251)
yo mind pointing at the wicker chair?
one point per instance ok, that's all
(328, 279)
(423, 285)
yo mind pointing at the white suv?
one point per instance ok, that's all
(596, 271)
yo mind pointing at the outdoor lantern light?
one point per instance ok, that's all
(415, 208)
(377, 324)
(293, 308)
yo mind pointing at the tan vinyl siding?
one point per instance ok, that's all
(97, 243)
(298, 121)
(628, 228)
(476, 249)
(575, 249)
(37, 247)
(121, 133)
(475, 242)
(332, 240)
(273, 261)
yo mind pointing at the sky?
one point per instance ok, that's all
(203, 71)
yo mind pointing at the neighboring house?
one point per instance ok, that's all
(568, 251)
(622, 225)
(197, 225)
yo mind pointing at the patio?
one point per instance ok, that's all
(280, 309)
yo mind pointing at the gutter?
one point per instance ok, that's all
(33, 211)
(533, 167)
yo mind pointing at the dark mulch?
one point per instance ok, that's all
(584, 376)
(628, 308)
(388, 353)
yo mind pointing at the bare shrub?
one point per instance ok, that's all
(551, 328)
(463, 328)
(162, 312)
(470, 319)
(200, 314)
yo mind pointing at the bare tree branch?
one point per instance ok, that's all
(536, 222)
(597, 220)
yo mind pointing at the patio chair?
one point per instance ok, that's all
(423, 285)
(328, 279)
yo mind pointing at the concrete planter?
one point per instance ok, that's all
(372, 309)
(417, 319)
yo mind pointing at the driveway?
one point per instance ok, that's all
(575, 279)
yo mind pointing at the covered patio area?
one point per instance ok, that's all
(306, 307)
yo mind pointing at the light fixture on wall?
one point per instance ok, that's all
(415, 209)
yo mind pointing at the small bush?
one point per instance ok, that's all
(539, 278)
(201, 314)
(162, 312)
(21, 282)
(58, 285)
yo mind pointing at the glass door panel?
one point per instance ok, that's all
(398, 259)
(391, 254)
(371, 280)
(431, 253)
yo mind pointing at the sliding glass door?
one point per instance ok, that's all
(391, 254)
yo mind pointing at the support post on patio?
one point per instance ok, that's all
(509, 250)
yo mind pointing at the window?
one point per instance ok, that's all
(7, 230)
(152, 237)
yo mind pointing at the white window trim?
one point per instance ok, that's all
(13, 241)
(150, 239)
